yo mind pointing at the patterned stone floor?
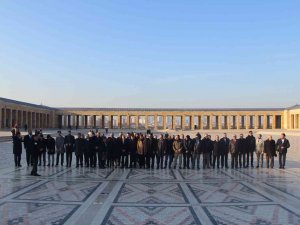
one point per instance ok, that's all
(93, 196)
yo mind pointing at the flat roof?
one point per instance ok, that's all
(25, 103)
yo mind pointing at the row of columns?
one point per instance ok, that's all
(185, 122)
(11, 117)
(295, 121)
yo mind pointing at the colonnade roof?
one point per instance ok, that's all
(5, 100)
(171, 109)
(11, 101)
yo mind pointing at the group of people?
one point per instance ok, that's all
(137, 150)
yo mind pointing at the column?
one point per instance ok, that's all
(10, 119)
(237, 120)
(274, 122)
(210, 121)
(164, 122)
(220, 122)
(1, 121)
(265, 121)
(247, 122)
(256, 124)
(4, 118)
(174, 122)
(155, 122)
(192, 122)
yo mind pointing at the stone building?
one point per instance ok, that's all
(38, 116)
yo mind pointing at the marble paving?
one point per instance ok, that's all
(79, 196)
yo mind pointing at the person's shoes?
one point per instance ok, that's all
(48, 165)
(174, 167)
(257, 167)
(20, 165)
(36, 175)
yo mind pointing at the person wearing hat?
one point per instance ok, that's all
(60, 148)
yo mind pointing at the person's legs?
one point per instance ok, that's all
(280, 160)
(176, 156)
(272, 162)
(284, 159)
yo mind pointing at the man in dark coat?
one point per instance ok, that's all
(29, 145)
(42, 155)
(50, 144)
(147, 150)
(17, 148)
(133, 151)
(251, 143)
(153, 150)
(124, 145)
(169, 152)
(36, 152)
(87, 153)
(242, 149)
(79, 149)
(234, 152)
(162, 148)
(282, 146)
(207, 147)
(224, 149)
(69, 146)
(216, 152)
(188, 149)
(270, 151)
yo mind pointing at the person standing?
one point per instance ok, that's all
(35, 153)
(124, 146)
(162, 148)
(234, 152)
(42, 155)
(197, 152)
(153, 150)
(242, 151)
(169, 151)
(177, 148)
(60, 148)
(259, 150)
(216, 152)
(17, 148)
(29, 145)
(282, 146)
(50, 144)
(79, 149)
(69, 146)
(207, 147)
(251, 145)
(224, 150)
(188, 150)
(133, 151)
(140, 151)
(270, 151)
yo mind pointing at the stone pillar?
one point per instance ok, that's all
(155, 122)
(237, 120)
(174, 122)
(164, 122)
(220, 122)
(4, 118)
(274, 122)
(247, 122)
(1, 121)
(265, 121)
(210, 122)
(192, 122)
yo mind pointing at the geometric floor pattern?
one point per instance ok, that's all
(79, 196)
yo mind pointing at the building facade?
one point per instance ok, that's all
(38, 116)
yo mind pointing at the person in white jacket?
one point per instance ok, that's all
(259, 151)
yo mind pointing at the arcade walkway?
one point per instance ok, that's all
(93, 196)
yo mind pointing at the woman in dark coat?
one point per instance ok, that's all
(17, 148)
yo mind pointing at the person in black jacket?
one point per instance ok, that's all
(17, 148)
(29, 145)
(224, 150)
(79, 149)
(36, 152)
(161, 147)
(169, 152)
(216, 152)
(124, 145)
(251, 145)
(43, 149)
(69, 146)
(207, 147)
(242, 149)
(50, 143)
(188, 149)
(282, 146)
(153, 150)
(87, 151)
(133, 151)
(270, 151)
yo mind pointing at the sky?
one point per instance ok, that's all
(151, 53)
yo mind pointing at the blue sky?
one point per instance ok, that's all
(151, 53)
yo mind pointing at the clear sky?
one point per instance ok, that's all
(151, 53)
